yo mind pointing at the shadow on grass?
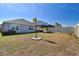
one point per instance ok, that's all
(50, 42)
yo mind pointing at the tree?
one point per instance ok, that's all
(35, 24)
(57, 24)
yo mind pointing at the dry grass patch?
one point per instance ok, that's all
(65, 44)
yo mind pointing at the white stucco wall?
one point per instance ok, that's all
(76, 30)
(25, 28)
(5, 27)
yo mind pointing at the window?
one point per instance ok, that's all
(13, 28)
(30, 27)
(17, 27)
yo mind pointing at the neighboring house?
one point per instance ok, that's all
(18, 25)
(0, 27)
(61, 29)
(41, 25)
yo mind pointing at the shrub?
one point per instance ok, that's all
(39, 30)
(9, 32)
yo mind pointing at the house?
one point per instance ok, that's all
(18, 25)
(22, 26)
(59, 28)
(41, 25)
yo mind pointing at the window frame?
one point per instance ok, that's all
(30, 27)
(17, 27)
(14, 26)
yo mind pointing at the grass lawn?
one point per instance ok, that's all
(52, 44)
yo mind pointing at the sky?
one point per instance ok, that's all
(66, 14)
